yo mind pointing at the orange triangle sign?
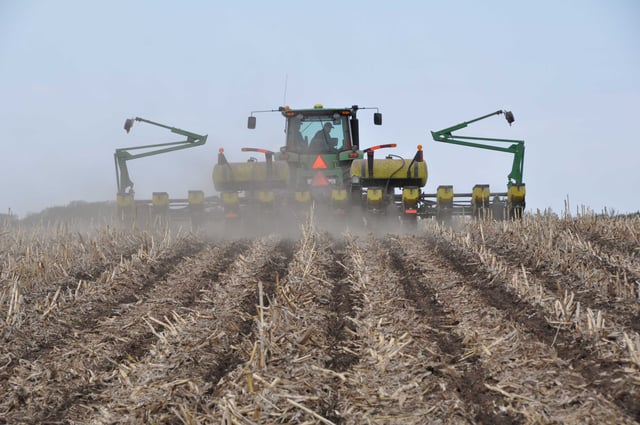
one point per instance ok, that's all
(319, 163)
(319, 179)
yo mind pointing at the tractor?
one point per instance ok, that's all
(321, 163)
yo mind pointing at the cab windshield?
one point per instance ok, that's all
(318, 134)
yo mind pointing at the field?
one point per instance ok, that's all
(517, 322)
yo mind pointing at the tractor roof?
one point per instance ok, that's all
(318, 110)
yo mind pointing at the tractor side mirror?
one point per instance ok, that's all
(251, 122)
(377, 118)
(508, 115)
(128, 124)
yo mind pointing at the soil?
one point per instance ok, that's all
(425, 326)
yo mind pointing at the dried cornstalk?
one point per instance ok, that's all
(565, 307)
(52, 303)
(595, 322)
(15, 302)
(311, 412)
(633, 346)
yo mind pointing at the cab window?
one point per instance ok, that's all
(318, 133)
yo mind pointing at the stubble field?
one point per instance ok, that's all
(518, 322)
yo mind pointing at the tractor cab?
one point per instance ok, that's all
(313, 165)
(314, 131)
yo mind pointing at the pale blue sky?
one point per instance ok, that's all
(72, 71)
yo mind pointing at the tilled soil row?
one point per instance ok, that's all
(470, 377)
(98, 252)
(343, 305)
(607, 347)
(613, 235)
(177, 381)
(342, 337)
(565, 261)
(394, 329)
(53, 294)
(275, 261)
(515, 374)
(403, 375)
(293, 362)
(106, 330)
(51, 271)
(609, 376)
(36, 254)
(46, 330)
(623, 311)
(274, 270)
(616, 235)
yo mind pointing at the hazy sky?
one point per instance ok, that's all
(72, 71)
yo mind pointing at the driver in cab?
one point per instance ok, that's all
(322, 141)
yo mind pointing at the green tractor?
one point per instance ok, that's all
(323, 164)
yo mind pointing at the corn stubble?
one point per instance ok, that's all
(479, 322)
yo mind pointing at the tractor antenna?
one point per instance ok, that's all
(284, 99)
